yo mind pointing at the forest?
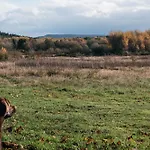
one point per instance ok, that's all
(116, 43)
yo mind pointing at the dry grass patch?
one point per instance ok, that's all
(107, 62)
(107, 69)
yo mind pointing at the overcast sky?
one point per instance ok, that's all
(39, 17)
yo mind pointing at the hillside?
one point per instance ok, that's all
(70, 35)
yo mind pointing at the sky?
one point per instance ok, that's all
(40, 17)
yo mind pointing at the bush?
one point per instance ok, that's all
(3, 54)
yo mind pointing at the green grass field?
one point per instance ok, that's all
(78, 109)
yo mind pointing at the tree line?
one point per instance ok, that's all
(116, 43)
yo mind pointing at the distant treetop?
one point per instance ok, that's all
(4, 34)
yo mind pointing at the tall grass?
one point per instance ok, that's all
(109, 68)
(87, 62)
(82, 67)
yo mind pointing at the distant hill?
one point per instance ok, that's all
(69, 35)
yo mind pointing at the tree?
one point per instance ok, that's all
(49, 44)
(21, 44)
(115, 39)
(3, 54)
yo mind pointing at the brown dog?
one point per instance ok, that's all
(6, 111)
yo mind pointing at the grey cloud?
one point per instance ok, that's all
(74, 16)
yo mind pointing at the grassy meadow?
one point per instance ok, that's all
(85, 103)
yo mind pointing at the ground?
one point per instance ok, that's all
(62, 107)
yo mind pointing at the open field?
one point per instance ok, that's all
(87, 103)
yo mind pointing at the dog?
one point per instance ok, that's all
(6, 111)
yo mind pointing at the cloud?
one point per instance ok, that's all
(73, 16)
(5, 6)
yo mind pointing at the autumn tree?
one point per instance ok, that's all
(3, 54)
(116, 41)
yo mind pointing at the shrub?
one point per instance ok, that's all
(3, 54)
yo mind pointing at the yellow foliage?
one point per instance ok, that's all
(3, 54)
(3, 50)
